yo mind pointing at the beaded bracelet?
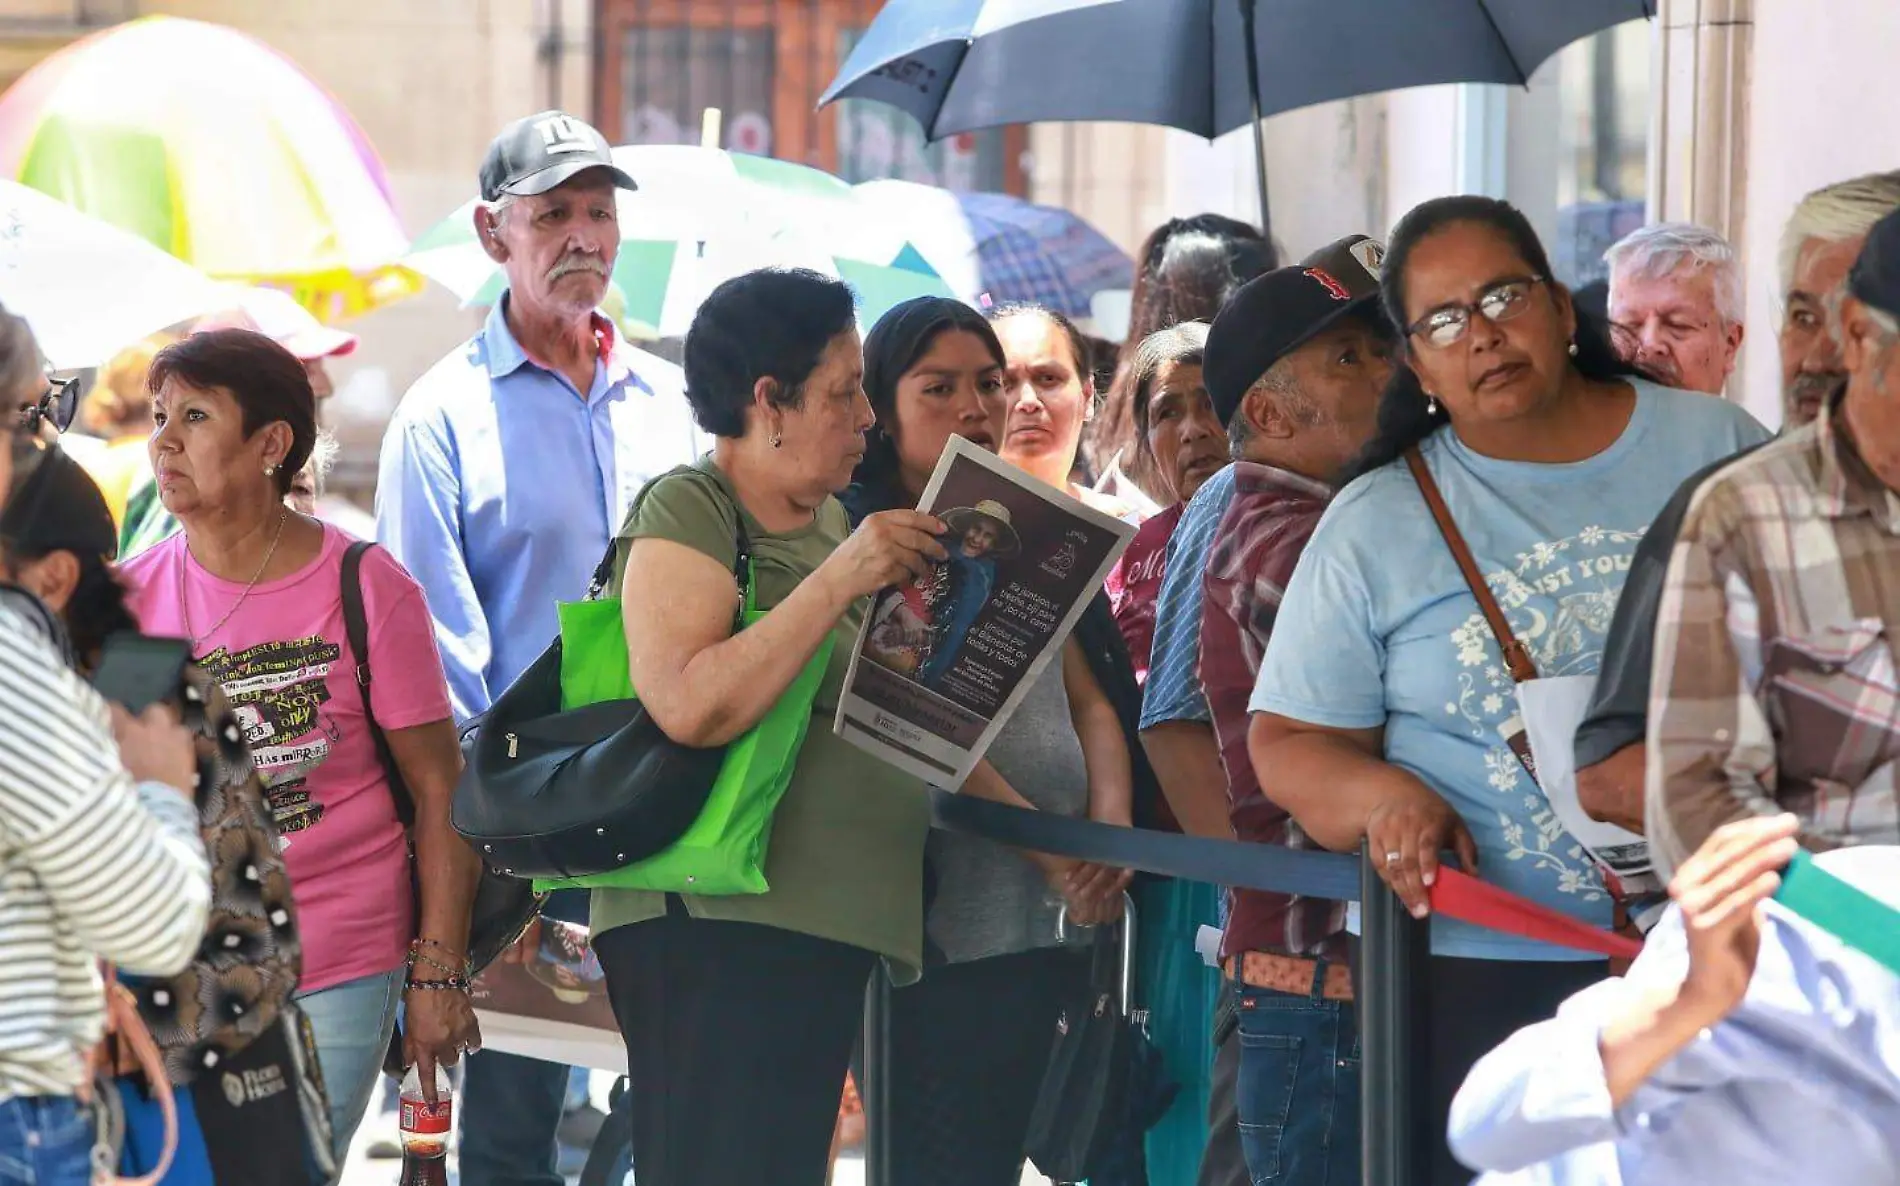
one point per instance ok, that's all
(416, 957)
(456, 983)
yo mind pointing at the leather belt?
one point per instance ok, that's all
(1291, 974)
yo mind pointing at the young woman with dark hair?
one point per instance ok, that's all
(1386, 711)
(969, 1042)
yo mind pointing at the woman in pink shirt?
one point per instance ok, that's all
(257, 589)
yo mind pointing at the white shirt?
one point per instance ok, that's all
(1800, 1084)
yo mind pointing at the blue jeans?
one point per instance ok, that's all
(352, 1022)
(1298, 1093)
(45, 1140)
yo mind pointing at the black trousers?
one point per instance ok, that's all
(738, 1037)
(1474, 1005)
(968, 1047)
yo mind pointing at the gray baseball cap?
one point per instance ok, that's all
(535, 154)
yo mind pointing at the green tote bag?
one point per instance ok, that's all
(723, 852)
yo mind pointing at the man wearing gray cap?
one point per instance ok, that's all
(1775, 683)
(505, 471)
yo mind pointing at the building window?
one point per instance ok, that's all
(1584, 187)
(670, 74)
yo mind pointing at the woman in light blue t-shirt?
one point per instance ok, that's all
(1384, 705)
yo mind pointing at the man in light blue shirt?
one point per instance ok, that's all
(505, 473)
(1669, 1075)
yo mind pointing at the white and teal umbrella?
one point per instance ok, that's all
(702, 216)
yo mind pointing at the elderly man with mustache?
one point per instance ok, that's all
(505, 472)
(1819, 244)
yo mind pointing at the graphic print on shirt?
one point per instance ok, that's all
(278, 690)
(1559, 598)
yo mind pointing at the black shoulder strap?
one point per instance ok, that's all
(356, 625)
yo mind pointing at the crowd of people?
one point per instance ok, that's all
(1378, 490)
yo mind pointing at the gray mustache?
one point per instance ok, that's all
(577, 263)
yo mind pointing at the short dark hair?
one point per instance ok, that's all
(268, 382)
(770, 324)
(1078, 344)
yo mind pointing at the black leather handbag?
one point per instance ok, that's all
(560, 794)
(1104, 1086)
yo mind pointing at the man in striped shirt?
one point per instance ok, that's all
(100, 856)
(1775, 681)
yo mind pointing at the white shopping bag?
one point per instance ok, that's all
(1552, 708)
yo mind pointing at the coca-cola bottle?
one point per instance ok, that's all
(425, 1130)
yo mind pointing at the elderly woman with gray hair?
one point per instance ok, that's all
(99, 838)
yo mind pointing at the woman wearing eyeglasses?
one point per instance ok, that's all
(1385, 708)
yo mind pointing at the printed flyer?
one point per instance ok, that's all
(942, 660)
(547, 999)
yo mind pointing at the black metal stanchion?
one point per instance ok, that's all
(1393, 948)
(874, 1092)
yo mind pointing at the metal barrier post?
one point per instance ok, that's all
(1393, 948)
(874, 1091)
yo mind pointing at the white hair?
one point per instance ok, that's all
(1660, 250)
(499, 208)
(1835, 214)
(323, 455)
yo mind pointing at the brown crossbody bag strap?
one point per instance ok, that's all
(1517, 657)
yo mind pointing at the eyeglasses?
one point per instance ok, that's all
(56, 406)
(1499, 303)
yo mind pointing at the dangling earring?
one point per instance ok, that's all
(270, 470)
(1431, 405)
(1573, 349)
(776, 441)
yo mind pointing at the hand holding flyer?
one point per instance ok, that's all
(944, 658)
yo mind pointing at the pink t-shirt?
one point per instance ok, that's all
(283, 660)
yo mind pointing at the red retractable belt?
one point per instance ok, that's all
(1463, 897)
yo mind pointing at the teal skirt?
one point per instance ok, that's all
(1179, 991)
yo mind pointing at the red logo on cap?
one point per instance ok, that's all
(1333, 286)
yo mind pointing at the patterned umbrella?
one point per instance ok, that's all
(702, 216)
(1005, 248)
(218, 149)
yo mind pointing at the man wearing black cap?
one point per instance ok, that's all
(1775, 686)
(1294, 366)
(505, 471)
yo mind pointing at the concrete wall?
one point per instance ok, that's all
(1826, 106)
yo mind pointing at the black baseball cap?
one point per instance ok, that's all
(57, 507)
(535, 154)
(1876, 275)
(1270, 316)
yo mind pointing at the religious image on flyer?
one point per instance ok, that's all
(942, 660)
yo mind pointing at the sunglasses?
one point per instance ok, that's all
(1498, 304)
(56, 406)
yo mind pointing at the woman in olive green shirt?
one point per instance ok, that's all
(739, 1013)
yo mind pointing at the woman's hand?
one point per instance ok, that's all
(887, 548)
(1720, 890)
(1094, 893)
(438, 1027)
(154, 747)
(1406, 832)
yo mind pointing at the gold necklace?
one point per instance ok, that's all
(184, 606)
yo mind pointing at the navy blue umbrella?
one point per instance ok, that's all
(960, 65)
